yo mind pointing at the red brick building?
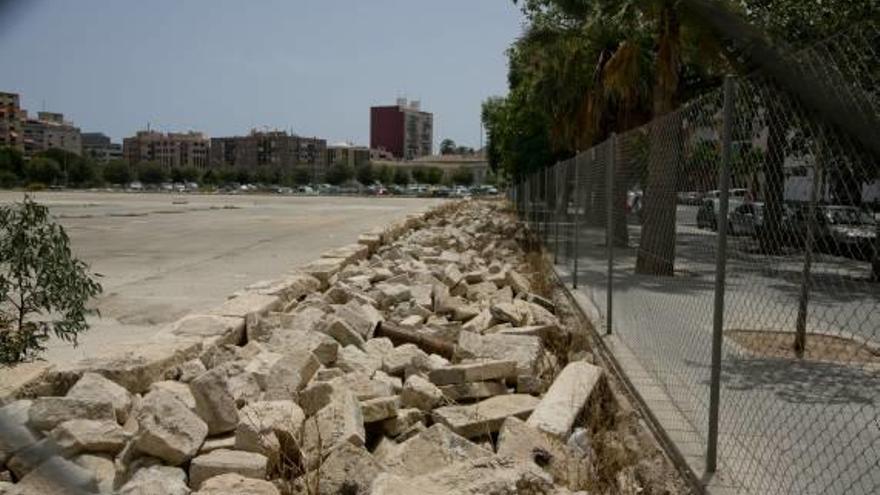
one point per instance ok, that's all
(403, 130)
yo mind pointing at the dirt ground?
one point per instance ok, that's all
(162, 256)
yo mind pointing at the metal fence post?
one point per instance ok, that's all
(720, 278)
(609, 232)
(574, 274)
(556, 212)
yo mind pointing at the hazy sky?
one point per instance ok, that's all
(226, 66)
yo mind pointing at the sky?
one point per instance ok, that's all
(226, 66)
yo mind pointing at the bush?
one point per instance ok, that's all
(42, 170)
(117, 172)
(8, 179)
(43, 288)
(401, 177)
(339, 174)
(152, 173)
(365, 174)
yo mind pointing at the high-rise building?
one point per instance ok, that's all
(49, 130)
(271, 149)
(403, 129)
(100, 148)
(11, 122)
(172, 150)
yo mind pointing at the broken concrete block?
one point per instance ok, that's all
(490, 476)
(487, 416)
(341, 331)
(190, 370)
(153, 480)
(324, 268)
(565, 399)
(168, 429)
(420, 393)
(16, 435)
(521, 442)
(246, 464)
(404, 419)
(391, 294)
(473, 391)
(285, 341)
(512, 313)
(102, 467)
(180, 391)
(43, 480)
(396, 361)
(479, 323)
(85, 435)
(379, 348)
(517, 282)
(351, 359)
(214, 402)
(290, 374)
(92, 386)
(364, 387)
(349, 469)
(216, 443)
(432, 450)
(45, 413)
(527, 351)
(213, 329)
(236, 484)
(380, 408)
(473, 372)
(261, 423)
(339, 421)
(136, 366)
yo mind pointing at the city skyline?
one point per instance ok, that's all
(289, 74)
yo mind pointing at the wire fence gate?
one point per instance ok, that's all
(732, 246)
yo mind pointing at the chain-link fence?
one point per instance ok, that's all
(746, 220)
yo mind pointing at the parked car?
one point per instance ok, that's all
(843, 230)
(748, 219)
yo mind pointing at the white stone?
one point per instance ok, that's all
(380, 408)
(214, 402)
(486, 417)
(45, 413)
(420, 394)
(86, 435)
(432, 450)
(473, 372)
(565, 399)
(236, 484)
(155, 480)
(92, 386)
(260, 423)
(168, 429)
(246, 464)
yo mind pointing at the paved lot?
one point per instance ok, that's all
(787, 426)
(163, 256)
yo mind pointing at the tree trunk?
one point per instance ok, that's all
(656, 254)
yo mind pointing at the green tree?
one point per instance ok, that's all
(401, 176)
(117, 172)
(209, 177)
(447, 147)
(43, 171)
(190, 174)
(301, 177)
(365, 174)
(151, 173)
(12, 161)
(83, 172)
(433, 175)
(8, 179)
(43, 288)
(338, 174)
(463, 176)
(385, 174)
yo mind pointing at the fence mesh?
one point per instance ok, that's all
(800, 368)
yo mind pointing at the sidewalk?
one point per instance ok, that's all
(786, 426)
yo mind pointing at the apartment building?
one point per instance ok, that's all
(172, 150)
(11, 121)
(348, 154)
(49, 130)
(271, 149)
(403, 129)
(100, 147)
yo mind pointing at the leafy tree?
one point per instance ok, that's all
(301, 177)
(463, 176)
(8, 179)
(433, 175)
(339, 173)
(117, 172)
(385, 174)
(191, 174)
(447, 147)
(209, 177)
(151, 173)
(42, 170)
(12, 161)
(244, 175)
(43, 288)
(365, 174)
(401, 176)
(83, 172)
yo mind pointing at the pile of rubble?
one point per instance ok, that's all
(417, 361)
